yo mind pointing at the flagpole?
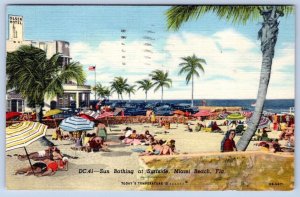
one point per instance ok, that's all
(95, 82)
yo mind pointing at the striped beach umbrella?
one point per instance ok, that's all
(247, 114)
(22, 134)
(105, 115)
(264, 122)
(52, 112)
(223, 115)
(76, 123)
(90, 113)
(266, 113)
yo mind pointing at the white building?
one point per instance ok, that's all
(79, 95)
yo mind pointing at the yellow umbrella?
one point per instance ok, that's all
(22, 134)
(52, 112)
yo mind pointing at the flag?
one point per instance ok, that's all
(92, 68)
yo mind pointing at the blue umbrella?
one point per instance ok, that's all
(76, 123)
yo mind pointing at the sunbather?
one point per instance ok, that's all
(50, 153)
(45, 168)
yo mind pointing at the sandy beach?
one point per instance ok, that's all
(121, 157)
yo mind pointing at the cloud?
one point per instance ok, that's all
(232, 70)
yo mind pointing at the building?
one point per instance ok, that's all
(74, 95)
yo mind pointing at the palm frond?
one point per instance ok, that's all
(177, 15)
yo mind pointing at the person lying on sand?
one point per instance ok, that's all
(49, 153)
(45, 168)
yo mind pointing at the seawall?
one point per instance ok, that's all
(253, 170)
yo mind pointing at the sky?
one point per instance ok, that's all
(232, 52)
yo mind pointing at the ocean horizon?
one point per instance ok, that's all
(271, 105)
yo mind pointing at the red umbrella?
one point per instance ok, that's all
(178, 112)
(87, 117)
(10, 115)
(202, 113)
(105, 115)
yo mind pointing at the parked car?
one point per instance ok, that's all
(134, 112)
(163, 112)
(185, 107)
(119, 104)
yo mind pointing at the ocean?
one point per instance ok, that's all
(271, 105)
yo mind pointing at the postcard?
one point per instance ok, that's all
(136, 97)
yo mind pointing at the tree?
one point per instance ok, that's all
(119, 85)
(101, 90)
(267, 34)
(161, 80)
(190, 66)
(130, 89)
(145, 85)
(35, 77)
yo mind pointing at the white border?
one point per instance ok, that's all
(4, 192)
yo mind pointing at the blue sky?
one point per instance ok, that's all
(232, 52)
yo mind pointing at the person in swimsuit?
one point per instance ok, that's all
(39, 167)
(50, 153)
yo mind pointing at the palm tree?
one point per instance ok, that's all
(130, 90)
(190, 66)
(119, 85)
(145, 85)
(161, 80)
(268, 33)
(35, 77)
(101, 90)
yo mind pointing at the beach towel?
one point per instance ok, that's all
(138, 150)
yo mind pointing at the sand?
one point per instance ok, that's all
(120, 157)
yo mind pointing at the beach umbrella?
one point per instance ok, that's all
(202, 113)
(266, 113)
(106, 115)
(247, 114)
(10, 115)
(76, 123)
(87, 117)
(178, 112)
(22, 134)
(235, 116)
(52, 112)
(223, 115)
(263, 122)
(90, 113)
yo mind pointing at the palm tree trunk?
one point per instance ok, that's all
(146, 96)
(192, 104)
(39, 111)
(268, 35)
(129, 97)
(162, 94)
